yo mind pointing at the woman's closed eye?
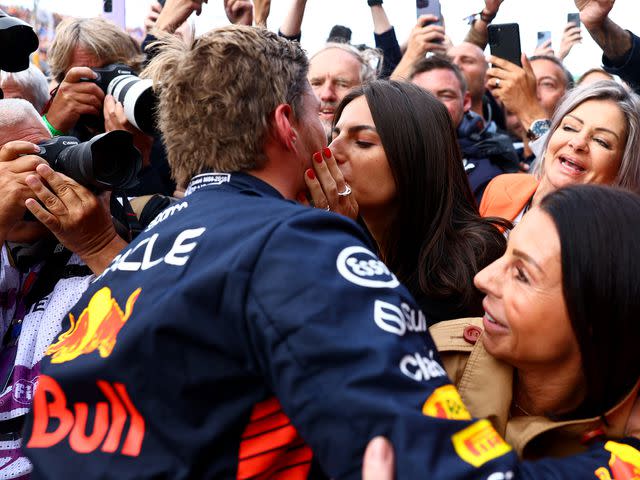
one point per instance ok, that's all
(520, 275)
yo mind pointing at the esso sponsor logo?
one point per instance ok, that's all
(361, 266)
(398, 320)
(501, 476)
(420, 368)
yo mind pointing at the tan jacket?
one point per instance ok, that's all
(486, 385)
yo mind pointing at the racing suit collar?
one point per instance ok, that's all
(239, 181)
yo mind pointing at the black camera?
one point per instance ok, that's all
(106, 162)
(135, 94)
(18, 40)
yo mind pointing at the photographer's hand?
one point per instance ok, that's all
(80, 220)
(115, 119)
(75, 98)
(17, 162)
(422, 39)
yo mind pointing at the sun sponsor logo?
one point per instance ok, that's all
(97, 328)
(144, 256)
(479, 443)
(361, 267)
(54, 420)
(421, 368)
(445, 402)
(398, 320)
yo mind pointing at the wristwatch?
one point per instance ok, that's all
(538, 128)
(374, 2)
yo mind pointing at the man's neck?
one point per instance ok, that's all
(477, 107)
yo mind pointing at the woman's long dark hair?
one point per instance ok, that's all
(600, 255)
(437, 242)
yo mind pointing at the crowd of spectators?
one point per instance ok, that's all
(392, 261)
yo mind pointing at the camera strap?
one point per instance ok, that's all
(122, 211)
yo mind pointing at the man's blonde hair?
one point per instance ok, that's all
(217, 96)
(101, 38)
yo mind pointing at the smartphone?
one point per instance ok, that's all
(543, 37)
(504, 42)
(573, 18)
(429, 7)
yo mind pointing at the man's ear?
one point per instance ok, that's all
(466, 102)
(283, 131)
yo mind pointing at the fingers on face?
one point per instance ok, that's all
(318, 198)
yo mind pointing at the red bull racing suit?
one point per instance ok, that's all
(244, 336)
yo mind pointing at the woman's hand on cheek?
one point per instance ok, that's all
(327, 186)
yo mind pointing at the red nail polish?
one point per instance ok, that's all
(326, 152)
(310, 174)
(317, 157)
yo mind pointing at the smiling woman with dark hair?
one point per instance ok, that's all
(556, 365)
(395, 148)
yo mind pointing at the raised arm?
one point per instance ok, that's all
(613, 39)
(478, 33)
(385, 37)
(292, 22)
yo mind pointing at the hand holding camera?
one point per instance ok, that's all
(80, 220)
(18, 160)
(75, 97)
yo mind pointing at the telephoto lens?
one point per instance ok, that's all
(137, 98)
(108, 161)
(135, 94)
(17, 41)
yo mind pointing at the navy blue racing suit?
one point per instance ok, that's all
(244, 336)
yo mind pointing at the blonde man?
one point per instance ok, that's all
(79, 44)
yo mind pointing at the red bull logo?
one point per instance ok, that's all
(54, 420)
(97, 328)
(624, 463)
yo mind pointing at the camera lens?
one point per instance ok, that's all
(107, 161)
(138, 99)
